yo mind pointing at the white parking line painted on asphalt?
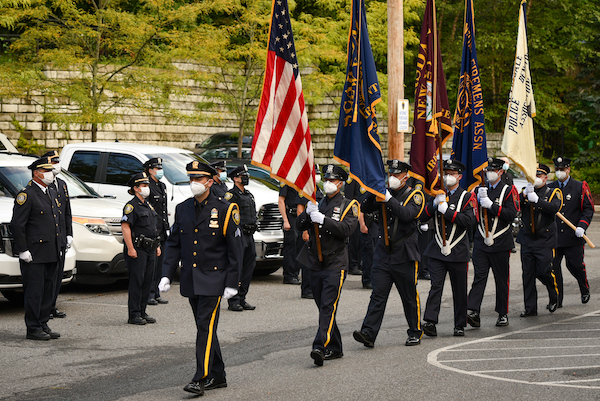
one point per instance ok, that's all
(433, 357)
(519, 357)
(97, 304)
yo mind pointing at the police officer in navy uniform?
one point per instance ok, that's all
(336, 218)
(37, 234)
(140, 225)
(396, 260)
(245, 200)
(219, 188)
(158, 200)
(492, 249)
(538, 238)
(207, 238)
(66, 225)
(457, 211)
(288, 207)
(578, 208)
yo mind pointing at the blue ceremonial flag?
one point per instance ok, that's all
(357, 141)
(469, 144)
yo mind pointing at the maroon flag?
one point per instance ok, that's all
(429, 115)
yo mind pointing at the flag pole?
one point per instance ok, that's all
(485, 214)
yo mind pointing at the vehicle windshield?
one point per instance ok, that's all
(14, 178)
(174, 166)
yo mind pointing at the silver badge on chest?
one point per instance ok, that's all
(336, 213)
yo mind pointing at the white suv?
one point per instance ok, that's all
(107, 166)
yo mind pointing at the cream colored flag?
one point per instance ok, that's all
(518, 143)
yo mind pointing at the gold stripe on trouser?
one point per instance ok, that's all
(418, 298)
(210, 338)
(334, 308)
(552, 272)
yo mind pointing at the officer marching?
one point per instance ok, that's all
(327, 259)
(537, 237)
(245, 201)
(492, 248)
(396, 259)
(578, 208)
(287, 203)
(141, 247)
(207, 238)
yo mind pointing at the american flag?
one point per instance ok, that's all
(282, 142)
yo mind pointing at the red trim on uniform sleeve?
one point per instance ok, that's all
(453, 217)
(427, 211)
(499, 210)
(585, 222)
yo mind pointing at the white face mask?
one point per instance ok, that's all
(560, 175)
(47, 177)
(159, 174)
(197, 188)
(329, 188)
(145, 192)
(223, 176)
(394, 182)
(492, 176)
(56, 169)
(450, 180)
(538, 182)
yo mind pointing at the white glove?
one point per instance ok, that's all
(317, 217)
(579, 232)
(229, 292)
(442, 207)
(69, 241)
(311, 207)
(482, 192)
(533, 197)
(439, 199)
(388, 195)
(528, 189)
(26, 257)
(486, 202)
(424, 227)
(164, 285)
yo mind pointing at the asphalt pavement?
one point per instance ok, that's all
(266, 351)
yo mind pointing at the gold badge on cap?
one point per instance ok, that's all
(21, 198)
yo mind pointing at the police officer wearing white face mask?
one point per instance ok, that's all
(538, 240)
(578, 208)
(140, 225)
(219, 188)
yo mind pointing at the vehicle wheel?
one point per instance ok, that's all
(15, 297)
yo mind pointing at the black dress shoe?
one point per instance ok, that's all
(58, 314)
(148, 319)
(502, 321)
(364, 337)
(212, 383)
(308, 296)
(152, 302)
(429, 329)
(424, 276)
(329, 355)
(246, 306)
(412, 340)
(368, 286)
(473, 318)
(294, 281)
(317, 356)
(528, 313)
(459, 332)
(552, 307)
(236, 307)
(355, 272)
(137, 320)
(195, 387)
(585, 298)
(53, 334)
(161, 301)
(38, 335)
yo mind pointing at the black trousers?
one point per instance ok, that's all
(154, 293)
(305, 285)
(291, 247)
(404, 277)
(458, 280)
(247, 270)
(209, 361)
(39, 283)
(537, 263)
(499, 263)
(574, 261)
(59, 275)
(141, 273)
(327, 288)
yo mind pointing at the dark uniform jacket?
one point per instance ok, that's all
(158, 200)
(341, 219)
(64, 211)
(402, 210)
(35, 224)
(502, 214)
(291, 198)
(219, 190)
(578, 208)
(209, 247)
(460, 217)
(247, 207)
(544, 214)
(142, 219)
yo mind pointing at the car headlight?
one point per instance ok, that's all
(97, 226)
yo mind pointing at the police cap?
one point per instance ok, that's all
(562, 162)
(542, 169)
(53, 154)
(495, 163)
(198, 169)
(137, 179)
(155, 162)
(333, 172)
(219, 165)
(398, 166)
(44, 163)
(454, 165)
(239, 170)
